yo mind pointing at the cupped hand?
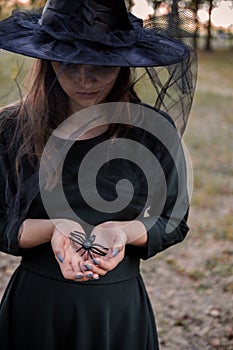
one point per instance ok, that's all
(71, 262)
(110, 239)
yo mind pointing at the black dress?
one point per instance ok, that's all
(42, 310)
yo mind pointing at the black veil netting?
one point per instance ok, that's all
(168, 89)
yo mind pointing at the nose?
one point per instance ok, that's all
(85, 74)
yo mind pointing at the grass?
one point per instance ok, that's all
(209, 140)
(219, 266)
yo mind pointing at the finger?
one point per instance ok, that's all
(88, 274)
(59, 257)
(84, 278)
(110, 261)
(114, 252)
(82, 272)
(105, 266)
(68, 263)
(57, 243)
(77, 264)
(61, 252)
(89, 269)
(93, 266)
(69, 273)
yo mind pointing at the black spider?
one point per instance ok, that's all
(87, 244)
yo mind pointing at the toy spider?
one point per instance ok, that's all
(87, 244)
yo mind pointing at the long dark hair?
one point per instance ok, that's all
(46, 105)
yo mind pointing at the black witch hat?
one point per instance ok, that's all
(98, 32)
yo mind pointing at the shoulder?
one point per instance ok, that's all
(145, 132)
(160, 112)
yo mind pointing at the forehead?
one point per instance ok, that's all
(62, 66)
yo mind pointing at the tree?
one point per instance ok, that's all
(208, 39)
(129, 4)
(195, 8)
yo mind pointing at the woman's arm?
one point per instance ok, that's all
(170, 227)
(34, 232)
(135, 231)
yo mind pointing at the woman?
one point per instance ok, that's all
(78, 285)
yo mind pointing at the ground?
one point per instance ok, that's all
(191, 284)
(191, 289)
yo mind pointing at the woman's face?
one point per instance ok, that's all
(85, 85)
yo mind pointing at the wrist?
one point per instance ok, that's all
(135, 232)
(66, 226)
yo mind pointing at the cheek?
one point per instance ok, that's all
(66, 84)
(109, 81)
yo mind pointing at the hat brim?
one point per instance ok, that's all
(22, 33)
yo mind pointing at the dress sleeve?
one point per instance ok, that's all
(9, 242)
(9, 222)
(170, 226)
(3, 220)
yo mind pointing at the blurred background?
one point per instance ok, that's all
(190, 285)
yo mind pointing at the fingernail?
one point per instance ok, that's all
(88, 266)
(79, 276)
(115, 251)
(96, 278)
(96, 262)
(60, 258)
(89, 275)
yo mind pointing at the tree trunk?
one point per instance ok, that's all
(33, 3)
(195, 39)
(129, 5)
(173, 18)
(156, 4)
(208, 39)
(175, 8)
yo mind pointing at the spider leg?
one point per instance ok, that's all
(76, 240)
(78, 235)
(97, 251)
(83, 252)
(99, 245)
(90, 255)
(79, 249)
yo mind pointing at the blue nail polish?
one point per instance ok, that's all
(115, 251)
(96, 262)
(79, 276)
(60, 258)
(88, 266)
(89, 275)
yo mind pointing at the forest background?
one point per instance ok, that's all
(191, 287)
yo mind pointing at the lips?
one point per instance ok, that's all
(87, 93)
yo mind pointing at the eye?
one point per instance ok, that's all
(70, 65)
(105, 69)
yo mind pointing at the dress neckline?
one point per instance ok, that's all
(87, 140)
